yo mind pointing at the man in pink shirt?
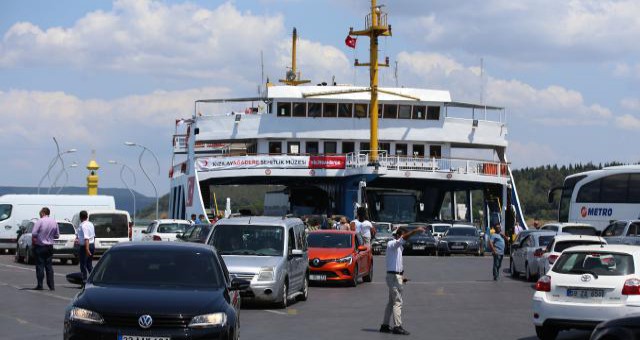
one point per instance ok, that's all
(44, 232)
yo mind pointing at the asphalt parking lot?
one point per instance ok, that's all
(446, 298)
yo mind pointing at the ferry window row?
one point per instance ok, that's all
(621, 188)
(358, 110)
(331, 147)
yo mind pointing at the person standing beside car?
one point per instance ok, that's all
(86, 239)
(362, 226)
(395, 280)
(497, 244)
(45, 230)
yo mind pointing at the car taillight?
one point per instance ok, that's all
(130, 233)
(544, 284)
(538, 252)
(631, 287)
(157, 238)
(552, 259)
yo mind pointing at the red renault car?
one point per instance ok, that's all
(337, 255)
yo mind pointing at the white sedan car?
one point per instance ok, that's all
(164, 230)
(587, 285)
(525, 254)
(559, 244)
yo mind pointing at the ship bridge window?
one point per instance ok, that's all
(293, 148)
(435, 151)
(419, 112)
(364, 147)
(284, 109)
(433, 113)
(390, 111)
(275, 148)
(330, 147)
(315, 109)
(404, 111)
(386, 147)
(312, 148)
(418, 150)
(299, 109)
(361, 110)
(330, 110)
(401, 149)
(348, 147)
(345, 110)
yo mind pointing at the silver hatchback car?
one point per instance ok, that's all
(271, 252)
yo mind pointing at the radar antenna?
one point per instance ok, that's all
(293, 78)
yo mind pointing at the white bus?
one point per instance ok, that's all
(599, 197)
(14, 209)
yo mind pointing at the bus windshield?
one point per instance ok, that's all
(565, 197)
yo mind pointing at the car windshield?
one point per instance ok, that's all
(329, 240)
(5, 211)
(580, 230)
(248, 240)
(158, 268)
(598, 263)
(66, 229)
(172, 228)
(616, 229)
(109, 225)
(382, 229)
(461, 232)
(415, 226)
(545, 240)
(561, 246)
(440, 228)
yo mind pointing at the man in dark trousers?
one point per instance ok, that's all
(395, 280)
(497, 244)
(44, 232)
(86, 238)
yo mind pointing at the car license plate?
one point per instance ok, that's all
(318, 277)
(585, 293)
(419, 247)
(457, 247)
(142, 337)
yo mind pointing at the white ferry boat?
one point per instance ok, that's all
(438, 159)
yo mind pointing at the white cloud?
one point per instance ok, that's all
(624, 70)
(628, 122)
(530, 154)
(630, 104)
(143, 36)
(550, 105)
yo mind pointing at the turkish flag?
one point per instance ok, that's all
(350, 41)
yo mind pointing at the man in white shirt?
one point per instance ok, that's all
(86, 240)
(395, 280)
(362, 226)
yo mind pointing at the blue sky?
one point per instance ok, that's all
(98, 73)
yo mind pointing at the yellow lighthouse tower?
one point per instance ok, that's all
(92, 179)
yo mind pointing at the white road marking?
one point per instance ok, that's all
(29, 269)
(275, 312)
(39, 292)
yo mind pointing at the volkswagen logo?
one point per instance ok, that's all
(316, 262)
(585, 278)
(145, 321)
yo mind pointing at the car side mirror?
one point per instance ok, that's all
(143, 231)
(362, 248)
(75, 278)
(297, 253)
(239, 284)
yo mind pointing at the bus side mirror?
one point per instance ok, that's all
(551, 194)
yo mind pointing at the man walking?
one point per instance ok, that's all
(86, 238)
(395, 280)
(44, 232)
(362, 226)
(496, 243)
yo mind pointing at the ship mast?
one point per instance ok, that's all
(375, 26)
(292, 77)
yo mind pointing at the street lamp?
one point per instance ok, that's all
(144, 148)
(133, 174)
(66, 179)
(53, 162)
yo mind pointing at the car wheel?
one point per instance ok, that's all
(354, 281)
(305, 289)
(546, 333)
(284, 300)
(28, 259)
(64, 261)
(75, 262)
(512, 268)
(369, 276)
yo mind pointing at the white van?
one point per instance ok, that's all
(111, 226)
(14, 209)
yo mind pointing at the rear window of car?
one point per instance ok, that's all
(561, 246)
(172, 228)
(329, 240)
(580, 230)
(545, 240)
(66, 229)
(598, 263)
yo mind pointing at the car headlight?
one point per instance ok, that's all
(85, 316)
(266, 274)
(346, 259)
(209, 320)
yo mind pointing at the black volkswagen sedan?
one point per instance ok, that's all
(157, 291)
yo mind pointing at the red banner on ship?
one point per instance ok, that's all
(327, 162)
